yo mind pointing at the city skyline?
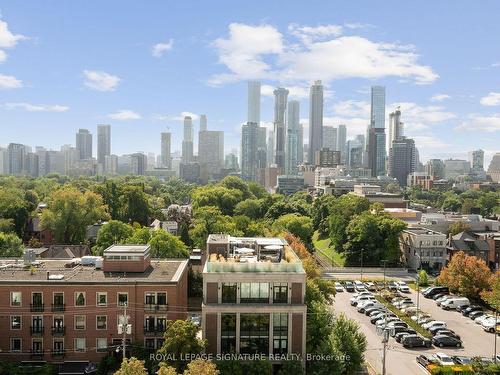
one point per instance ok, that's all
(99, 83)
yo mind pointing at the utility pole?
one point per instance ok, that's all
(385, 263)
(124, 328)
(495, 333)
(418, 278)
(385, 338)
(361, 264)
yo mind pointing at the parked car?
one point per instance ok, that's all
(398, 329)
(371, 309)
(443, 359)
(370, 286)
(359, 286)
(399, 336)
(439, 295)
(354, 301)
(364, 306)
(475, 314)
(420, 315)
(434, 323)
(490, 325)
(413, 341)
(424, 320)
(431, 292)
(435, 330)
(471, 309)
(397, 323)
(453, 303)
(482, 318)
(349, 286)
(425, 360)
(338, 287)
(402, 287)
(392, 286)
(384, 321)
(404, 304)
(443, 340)
(446, 332)
(461, 360)
(439, 301)
(377, 317)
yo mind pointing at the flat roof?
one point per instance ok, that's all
(160, 271)
(136, 249)
(423, 231)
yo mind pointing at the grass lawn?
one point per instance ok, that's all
(323, 245)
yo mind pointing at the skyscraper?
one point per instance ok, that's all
(211, 151)
(249, 142)
(187, 141)
(103, 143)
(402, 159)
(396, 127)
(280, 101)
(16, 154)
(270, 148)
(203, 123)
(254, 102)
(376, 145)
(166, 160)
(262, 147)
(292, 134)
(315, 120)
(476, 159)
(330, 138)
(300, 144)
(84, 144)
(342, 143)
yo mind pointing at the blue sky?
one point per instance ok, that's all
(138, 65)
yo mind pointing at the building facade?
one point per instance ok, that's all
(280, 102)
(315, 120)
(424, 249)
(103, 143)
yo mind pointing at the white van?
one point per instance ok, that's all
(453, 303)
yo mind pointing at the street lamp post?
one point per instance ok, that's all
(385, 263)
(495, 333)
(361, 264)
(418, 279)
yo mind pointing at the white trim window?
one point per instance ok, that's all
(16, 299)
(80, 345)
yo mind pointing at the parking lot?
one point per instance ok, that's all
(476, 341)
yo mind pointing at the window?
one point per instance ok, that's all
(15, 345)
(80, 345)
(58, 299)
(228, 333)
(37, 346)
(80, 299)
(280, 293)
(161, 324)
(37, 324)
(58, 346)
(149, 344)
(228, 292)
(102, 322)
(161, 298)
(122, 299)
(102, 299)
(155, 298)
(280, 333)
(37, 298)
(254, 293)
(15, 322)
(254, 333)
(15, 299)
(150, 298)
(79, 321)
(101, 344)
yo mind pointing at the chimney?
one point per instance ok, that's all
(48, 274)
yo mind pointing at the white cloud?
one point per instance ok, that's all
(124, 114)
(294, 92)
(424, 142)
(9, 82)
(160, 48)
(242, 52)
(492, 99)
(37, 107)
(439, 97)
(495, 65)
(263, 52)
(7, 39)
(100, 81)
(179, 117)
(480, 122)
(352, 108)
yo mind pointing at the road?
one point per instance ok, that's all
(402, 361)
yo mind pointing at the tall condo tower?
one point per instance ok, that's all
(203, 123)
(342, 143)
(187, 141)
(292, 135)
(249, 148)
(254, 102)
(280, 101)
(84, 144)
(166, 160)
(315, 120)
(103, 143)
(376, 134)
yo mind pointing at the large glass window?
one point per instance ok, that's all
(280, 293)
(161, 298)
(15, 299)
(102, 298)
(122, 299)
(254, 333)
(79, 322)
(15, 322)
(150, 298)
(254, 293)
(80, 299)
(228, 333)
(228, 292)
(101, 344)
(101, 322)
(15, 345)
(280, 333)
(80, 345)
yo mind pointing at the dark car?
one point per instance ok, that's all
(446, 332)
(476, 314)
(399, 336)
(414, 341)
(369, 310)
(438, 295)
(460, 360)
(430, 293)
(398, 329)
(425, 360)
(349, 286)
(373, 320)
(471, 309)
(435, 330)
(443, 341)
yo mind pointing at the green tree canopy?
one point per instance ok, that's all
(10, 245)
(300, 226)
(166, 245)
(113, 232)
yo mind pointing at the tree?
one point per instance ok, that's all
(492, 296)
(135, 205)
(458, 227)
(69, 212)
(110, 193)
(14, 208)
(300, 226)
(393, 187)
(466, 275)
(423, 278)
(132, 366)
(222, 197)
(113, 232)
(166, 370)
(181, 339)
(201, 367)
(291, 367)
(451, 202)
(488, 202)
(349, 341)
(10, 245)
(140, 236)
(308, 263)
(321, 213)
(209, 219)
(249, 207)
(166, 245)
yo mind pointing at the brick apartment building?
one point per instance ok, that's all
(253, 297)
(57, 313)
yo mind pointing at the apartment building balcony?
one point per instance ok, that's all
(37, 330)
(59, 331)
(155, 307)
(58, 353)
(36, 353)
(153, 331)
(37, 307)
(57, 307)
